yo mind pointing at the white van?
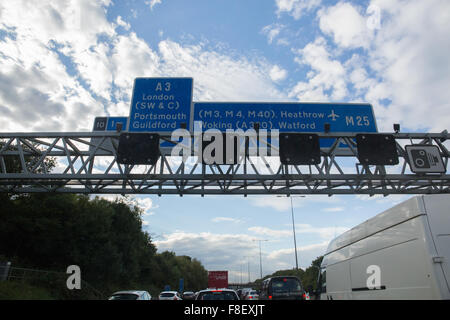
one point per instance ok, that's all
(402, 253)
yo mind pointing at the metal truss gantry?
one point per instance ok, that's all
(87, 163)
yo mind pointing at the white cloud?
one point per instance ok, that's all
(226, 219)
(234, 251)
(223, 251)
(401, 66)
(278, 203)
(146, 204)
(405, 71)
(283, 204)
(95, 68)
(277, 74)
(326, 233)
(263, 231)
(285, 258)
(296, 8)
(131, 57)
(122, 23)
(283, 42)
(218, 76)
(275, 255)
(334, 209)
(348, 27)
(410, 55)
(62, 73)
(326, 74)
(272, 31)
(152, 3)
(35, 85)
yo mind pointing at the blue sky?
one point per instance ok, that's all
(62, 63)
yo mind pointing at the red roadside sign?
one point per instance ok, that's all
(217, 279)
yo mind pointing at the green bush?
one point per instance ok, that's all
(11, 290)
(104, 238)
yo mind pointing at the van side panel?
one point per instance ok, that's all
(438, 214)
(338, 288)
(338, 284)
(400, 256)
(409, 246)
(393, 216)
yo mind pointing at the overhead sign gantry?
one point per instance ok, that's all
(301, 148)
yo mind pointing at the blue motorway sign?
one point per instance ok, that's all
(109, 123)
(160, 104)
(286, 117)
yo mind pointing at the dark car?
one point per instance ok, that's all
(281, 288)
(217, 294)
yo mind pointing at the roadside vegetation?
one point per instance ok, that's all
(48, 232)
(104, 238)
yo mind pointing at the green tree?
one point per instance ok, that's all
(105, 238)
(311, 274)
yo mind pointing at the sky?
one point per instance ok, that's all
(65, 62)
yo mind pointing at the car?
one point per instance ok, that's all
(244, 292)
(252, 295)
(281, 288)
(130, 295)
(188, 295)
(217, 294)
(169, 295)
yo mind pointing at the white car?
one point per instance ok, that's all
(188, 295)
(244, 292)
(217, 294)
(170, 295)
(130, 295)
(252, 295)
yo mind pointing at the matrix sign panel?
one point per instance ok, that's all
(286, 117)
(160, 104)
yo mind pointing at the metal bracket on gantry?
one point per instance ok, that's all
(353, 163)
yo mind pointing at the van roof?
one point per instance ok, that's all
(401, 212)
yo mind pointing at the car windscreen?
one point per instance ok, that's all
(286, 285)
(124, 296)
(167, 295)
(217, 295)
